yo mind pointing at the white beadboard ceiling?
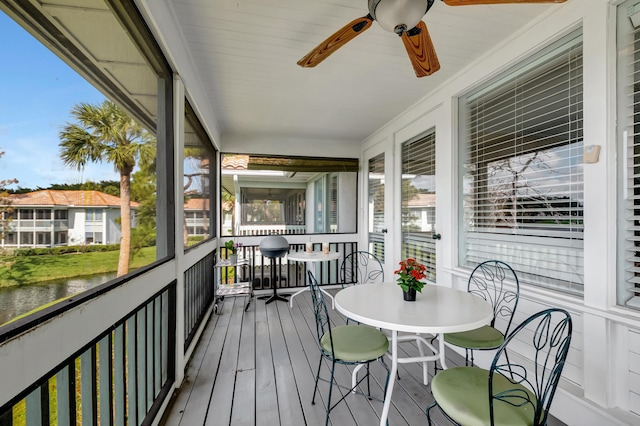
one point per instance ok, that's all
(246, 51)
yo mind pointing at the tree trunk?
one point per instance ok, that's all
(125, 223)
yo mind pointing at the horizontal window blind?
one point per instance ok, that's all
(333, 203)
(419, 201)
(376, 206)
(629, 134)
(522, 177)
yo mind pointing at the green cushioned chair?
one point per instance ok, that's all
(497, 283)
(346, 344)
(508, 394)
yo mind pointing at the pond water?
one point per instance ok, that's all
(17, 300)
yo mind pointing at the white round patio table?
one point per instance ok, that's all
(311, 258)
(437, 310)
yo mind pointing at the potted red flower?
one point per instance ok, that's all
(410, 274)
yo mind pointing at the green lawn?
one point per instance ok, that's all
(20, 270)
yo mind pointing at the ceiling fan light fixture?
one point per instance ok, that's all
(404, 18)
(401, 14)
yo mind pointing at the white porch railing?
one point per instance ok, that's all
(271, 229)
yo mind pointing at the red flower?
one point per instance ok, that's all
(410, 274)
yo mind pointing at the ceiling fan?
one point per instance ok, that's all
(403, 17)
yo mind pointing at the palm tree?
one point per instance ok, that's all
(106, 133)
(6, 209)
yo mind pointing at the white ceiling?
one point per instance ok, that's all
(246, 51)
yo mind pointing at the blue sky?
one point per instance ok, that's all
(37, 92)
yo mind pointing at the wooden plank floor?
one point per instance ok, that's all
(258, 368)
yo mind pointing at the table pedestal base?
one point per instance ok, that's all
(307, 289)
(273, 298)
(438, 354)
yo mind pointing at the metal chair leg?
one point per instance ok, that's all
(427, 411)
(435, 362)
(368, 382)
(313, 400)
(333, 369)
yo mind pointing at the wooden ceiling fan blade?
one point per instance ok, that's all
(474, 2)
(336, 41)
(421, 51)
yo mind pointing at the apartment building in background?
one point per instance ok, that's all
(50, 218)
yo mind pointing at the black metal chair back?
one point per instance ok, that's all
(489, 280)
(321, 313)
(517, 394)
(549, 333)
(361, 267)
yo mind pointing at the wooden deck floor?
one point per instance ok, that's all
(258, 368)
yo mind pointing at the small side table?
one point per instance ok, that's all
(311, 259)
(242, 288)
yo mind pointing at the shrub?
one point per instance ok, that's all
(44, 251)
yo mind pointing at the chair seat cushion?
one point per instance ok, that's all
(485, 337)
(353, 343)
(462, 393)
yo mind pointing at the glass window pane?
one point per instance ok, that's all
(419, 201)
(107, 196)
(199, 156)
(272, 194)
(377, 224)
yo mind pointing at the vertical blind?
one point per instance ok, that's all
(629, 134)
(419, 201)
(522, 177)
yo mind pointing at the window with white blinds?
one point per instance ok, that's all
(628, 117)
(376, 224)
(521, 145)
(326, 203)
(333, 203)
(419, 201)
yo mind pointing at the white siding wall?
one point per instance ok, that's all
(111, 228)
(76, 226)
(632, 368)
